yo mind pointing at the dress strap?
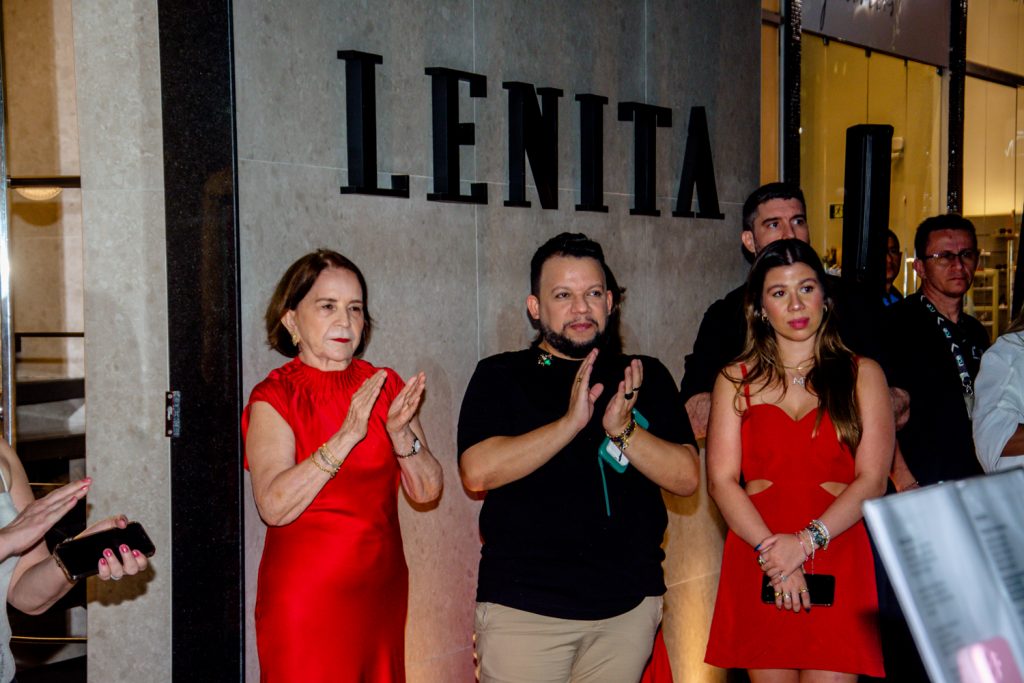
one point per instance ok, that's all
(746, 387)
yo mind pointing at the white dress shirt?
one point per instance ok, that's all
(999, 401)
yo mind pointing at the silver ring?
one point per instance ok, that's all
(115, 578)
(787, 596)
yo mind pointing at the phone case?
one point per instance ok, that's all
(78, 557)
(821, 588)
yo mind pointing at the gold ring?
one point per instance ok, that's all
(778, 594)
(761, 561)
(578, 380)
(803, 590)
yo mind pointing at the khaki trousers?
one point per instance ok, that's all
(513, 646)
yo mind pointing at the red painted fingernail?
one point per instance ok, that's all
(103, 562)
(108, 552)
(136, 553)
(123, 548)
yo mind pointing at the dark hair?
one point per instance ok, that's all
(578, 245)
(895, 238)
(945, 221)
(293, 287)
(766, 193)
(833, 379)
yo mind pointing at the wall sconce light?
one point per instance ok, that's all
(38, 194)
(42, 189)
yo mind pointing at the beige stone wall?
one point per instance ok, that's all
(448, 281)
(119, 122)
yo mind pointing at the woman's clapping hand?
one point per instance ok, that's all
(404, 406)
(40, 515)
(353, 429)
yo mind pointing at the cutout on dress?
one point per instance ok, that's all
(834, 487)
(757, 486)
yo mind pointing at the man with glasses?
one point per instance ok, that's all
(933, 353)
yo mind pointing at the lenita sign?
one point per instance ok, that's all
(533, 134)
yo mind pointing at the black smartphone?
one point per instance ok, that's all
(821, 588)
(79, 557)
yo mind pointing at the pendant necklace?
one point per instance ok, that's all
(798, 379)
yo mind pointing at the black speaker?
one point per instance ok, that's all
(866, 206)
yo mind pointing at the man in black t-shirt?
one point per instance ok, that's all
(570, 570)
(772, 212)
(933, 353)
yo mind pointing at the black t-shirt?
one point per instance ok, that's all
(937, 442)
(549, 546)
(723, 333)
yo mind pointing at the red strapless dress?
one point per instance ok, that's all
(748, 634)
(333, 585)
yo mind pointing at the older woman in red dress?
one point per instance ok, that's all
(329, 439)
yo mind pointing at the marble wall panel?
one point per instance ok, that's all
(128, 458)
(597, 52)
(117, 67)
(296, 88)
(118, 94)
(448, 281)
(700, 63)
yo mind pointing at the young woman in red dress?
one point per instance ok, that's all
(801, 434)
(328, 440)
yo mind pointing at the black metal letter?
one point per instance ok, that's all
(648, 118)
(533, 134)
(699, 170)
(361, 125)
(592, 153)
(450, 133)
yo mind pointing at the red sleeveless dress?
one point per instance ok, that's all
(333, 585)
(745, 632)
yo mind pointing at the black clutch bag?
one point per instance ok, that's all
(821, 588)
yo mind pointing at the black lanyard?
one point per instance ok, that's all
(961, 362)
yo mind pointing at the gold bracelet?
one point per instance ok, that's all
(329, 472)
(320, 467)
(325, 453)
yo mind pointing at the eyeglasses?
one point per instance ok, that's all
(968, 257)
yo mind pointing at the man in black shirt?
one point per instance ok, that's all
(933, 353)
(772, 212)
(572, 442)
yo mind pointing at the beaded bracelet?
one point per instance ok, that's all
(622, 440)
(819, 534)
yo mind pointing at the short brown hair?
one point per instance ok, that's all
(293, 288)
